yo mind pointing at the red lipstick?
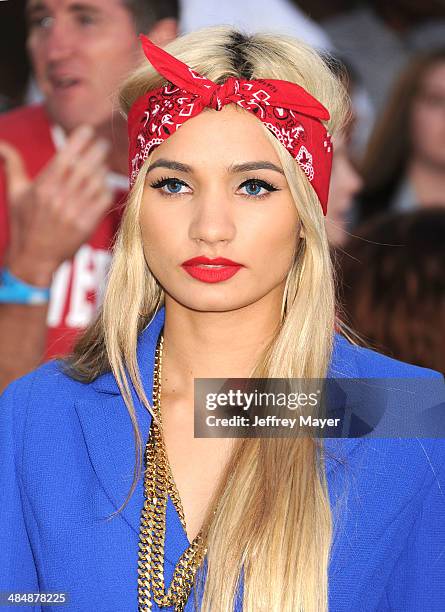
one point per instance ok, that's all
(211, 270)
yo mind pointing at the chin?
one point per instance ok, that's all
(221, 301)
(73, 116)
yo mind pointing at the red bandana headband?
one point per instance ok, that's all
(286, 109)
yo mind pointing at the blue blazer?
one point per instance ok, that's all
(66, 463)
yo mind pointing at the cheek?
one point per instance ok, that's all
(113, 61)
(274, 242)
(424, 126)
(160, 236)
(151, 229)
(36, 53)
(345, 180)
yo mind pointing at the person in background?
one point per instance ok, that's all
(404, 166)
(345, 184)
(393, 285)
(61, 182)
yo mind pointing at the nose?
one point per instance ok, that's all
(59, 40)
(213, 220)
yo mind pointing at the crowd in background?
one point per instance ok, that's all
(63, 158)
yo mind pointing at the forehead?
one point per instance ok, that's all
(231, 135)
(103, 6)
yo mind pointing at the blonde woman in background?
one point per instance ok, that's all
(280, 524)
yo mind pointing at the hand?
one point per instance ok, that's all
(54, 214)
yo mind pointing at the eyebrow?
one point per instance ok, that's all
(34, 7)
(232, 169)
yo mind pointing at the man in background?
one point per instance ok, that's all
(64, 173)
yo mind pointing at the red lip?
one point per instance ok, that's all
(196, 267)
(217, 261)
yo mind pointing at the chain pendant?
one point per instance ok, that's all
(158, 485)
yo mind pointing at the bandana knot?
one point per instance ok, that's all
(224, 94)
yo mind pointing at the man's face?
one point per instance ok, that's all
(81, 50)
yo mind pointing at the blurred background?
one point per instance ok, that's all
(386, 219)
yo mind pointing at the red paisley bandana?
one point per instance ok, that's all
(286, 109)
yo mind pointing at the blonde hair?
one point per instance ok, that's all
(272, 515)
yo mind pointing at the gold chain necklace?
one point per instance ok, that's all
(158, 484)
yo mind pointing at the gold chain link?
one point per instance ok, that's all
(158, 484)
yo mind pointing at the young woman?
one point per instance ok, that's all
(221, 269)
(404, 165)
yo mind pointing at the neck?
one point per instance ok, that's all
(215, 344)
(428, 182)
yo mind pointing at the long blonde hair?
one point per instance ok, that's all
(272, 518)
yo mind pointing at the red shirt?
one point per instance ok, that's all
(78, 284)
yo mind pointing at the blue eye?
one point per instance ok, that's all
(257, 188)
(172, 186)
(43, 22)
(253, 188)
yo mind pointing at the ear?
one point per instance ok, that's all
(164, 31)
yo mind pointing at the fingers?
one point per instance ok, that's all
(64, 204)
(88, 219)
(15, 170)
(76, 171)
(87, 167)
(96, 196)
(69, 155)
(97, 184)
(85, 198)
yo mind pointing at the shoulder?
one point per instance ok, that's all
(408, 462)
(28, 129)
(45, 390)
(356, 361)
(16, 123)
(39, 408)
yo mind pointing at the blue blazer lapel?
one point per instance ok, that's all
(108, 433)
